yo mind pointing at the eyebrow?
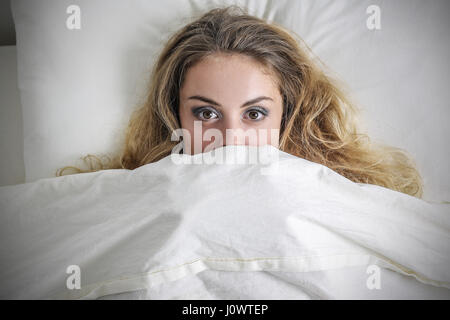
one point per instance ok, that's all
(207, 100)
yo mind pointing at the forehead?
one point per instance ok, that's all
(226, 75)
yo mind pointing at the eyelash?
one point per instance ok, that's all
(197, 111)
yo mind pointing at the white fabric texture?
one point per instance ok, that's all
(282, 228)
(78, 87)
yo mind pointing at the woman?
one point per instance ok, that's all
(210, 68)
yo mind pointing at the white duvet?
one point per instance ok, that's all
(286, 228)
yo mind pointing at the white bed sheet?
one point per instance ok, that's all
(288, 229)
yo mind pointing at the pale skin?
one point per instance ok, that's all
(230, 92)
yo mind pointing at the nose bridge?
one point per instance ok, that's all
(233, 125)
(232, 121)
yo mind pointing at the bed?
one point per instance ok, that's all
(288, 229)
(285, 228)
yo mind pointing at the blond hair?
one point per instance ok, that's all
(319, 121)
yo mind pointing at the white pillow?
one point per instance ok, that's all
(78, 87)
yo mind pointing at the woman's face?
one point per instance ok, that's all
(229, 99)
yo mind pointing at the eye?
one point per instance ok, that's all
(205, 113)
(257, 113)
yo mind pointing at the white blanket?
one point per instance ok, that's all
(283, 228)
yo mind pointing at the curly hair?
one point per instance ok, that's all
(319, 121)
